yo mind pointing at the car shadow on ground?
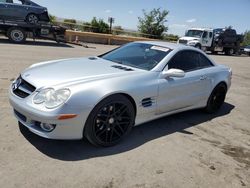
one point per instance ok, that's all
(81, 150)
(30, 42)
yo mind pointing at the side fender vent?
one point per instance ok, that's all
(147, 102)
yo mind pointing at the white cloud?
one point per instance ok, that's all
(178, 26)
(107, 11)
(131, 12)
(192, 20)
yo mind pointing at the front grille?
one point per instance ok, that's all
(183, 41)
(22, 88)
(20, 116)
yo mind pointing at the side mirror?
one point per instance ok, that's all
(177, 73)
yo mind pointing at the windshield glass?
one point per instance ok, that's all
(194, 33)
(139, 55)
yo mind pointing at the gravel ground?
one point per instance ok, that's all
(190, 149)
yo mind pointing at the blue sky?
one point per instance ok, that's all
(182, 13)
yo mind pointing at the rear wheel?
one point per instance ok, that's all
(229, 51)
(216, 98)
(110, 121)
(16, 35)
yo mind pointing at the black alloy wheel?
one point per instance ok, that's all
(32, 19)
(216, 99)
(110, 121)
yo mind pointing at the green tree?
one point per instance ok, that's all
(246, 38)
(117, 30)
(153, 23)
(70, 23)
(170, 37)
(99, 26)
(52, 18)
(87, 27)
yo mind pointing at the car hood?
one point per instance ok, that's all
(69, 71)
(189, 38)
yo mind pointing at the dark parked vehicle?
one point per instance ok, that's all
(23, 10)
(245, 50)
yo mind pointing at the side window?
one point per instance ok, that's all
(2, 1)
(204, 62)
(185, 60)
(204, 34)
(210, 34)
(17, 2)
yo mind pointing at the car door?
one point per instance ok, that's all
(189, 91)
(4, 9)
(205, 39)
(18, 10)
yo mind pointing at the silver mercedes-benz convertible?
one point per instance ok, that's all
(102, 98)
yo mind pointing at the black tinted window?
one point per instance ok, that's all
(204, 34)
(188, 61)
(185, 60)
(204, 62)
(210, 34)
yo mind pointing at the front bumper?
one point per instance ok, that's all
(70, 129)
(44, 17)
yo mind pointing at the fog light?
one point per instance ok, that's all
(47, 127)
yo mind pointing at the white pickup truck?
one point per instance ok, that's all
(214, 40)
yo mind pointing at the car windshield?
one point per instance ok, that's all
(139, 55)
(194, 33)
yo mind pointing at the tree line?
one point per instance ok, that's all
(152, 25)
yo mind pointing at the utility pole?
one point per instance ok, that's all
(111, 20)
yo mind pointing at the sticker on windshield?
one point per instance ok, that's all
(159, 48)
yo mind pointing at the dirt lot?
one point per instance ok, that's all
(190, 149)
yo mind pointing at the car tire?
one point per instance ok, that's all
(198, 46)
(16, 35)
(216, 98)
(32, 19)
(110, 121)
(229, 51)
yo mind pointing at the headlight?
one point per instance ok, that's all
(51, 98)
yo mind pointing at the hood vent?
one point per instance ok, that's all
(147, 102)
(92, 58)
(122, 68)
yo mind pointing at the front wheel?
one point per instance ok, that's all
(110, 121)
(216, 98)
(198, 46)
